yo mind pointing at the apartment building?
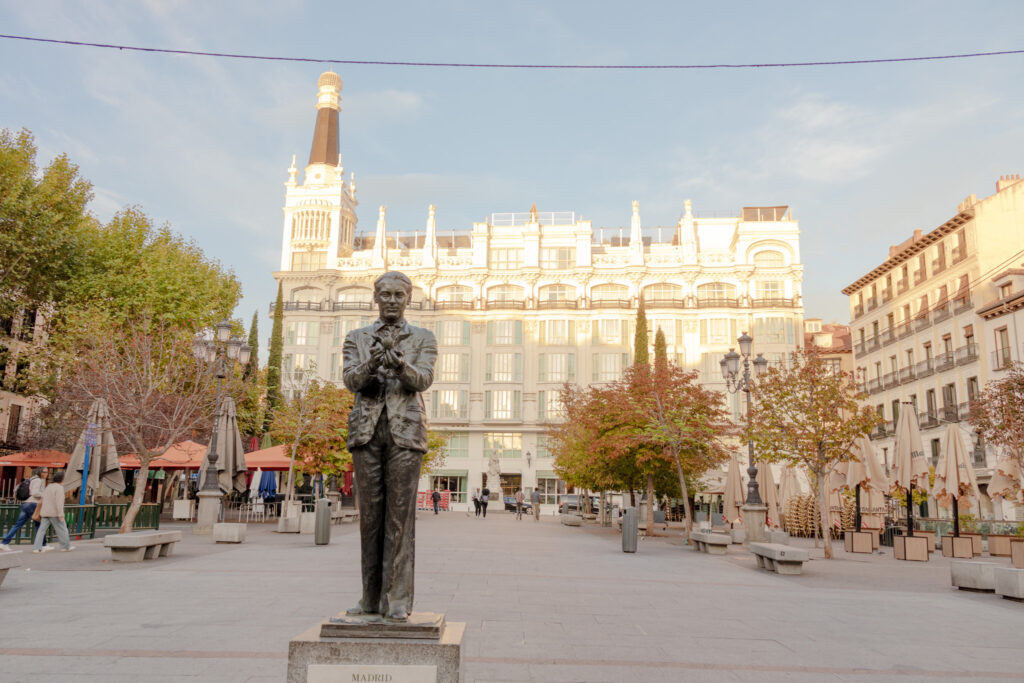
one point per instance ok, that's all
(920, 341)
(831, 341)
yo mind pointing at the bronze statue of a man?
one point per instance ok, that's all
(387, 365)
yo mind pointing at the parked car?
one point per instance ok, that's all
(570, 502)
(510, 504)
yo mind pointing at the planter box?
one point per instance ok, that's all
(913, 548)
(975, 540)
(858, 542)
(999, 545)
(1017, 553)
(929, 536)
(960, 547)
(183, 509)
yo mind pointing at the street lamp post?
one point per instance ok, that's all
(217, 351)
(754, 509)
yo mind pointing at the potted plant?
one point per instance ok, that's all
(969, 526)
(999, 543)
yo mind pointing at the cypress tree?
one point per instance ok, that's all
(253, 366)
(660, 351)
(274, 362)
(640, 342)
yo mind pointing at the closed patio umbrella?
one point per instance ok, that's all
(230, 454)
(954, 476)
(733, 497)
(1006, 480)
(254, 484)
(769, 494)
(864, 474)
(911, 463)
(98, 439)
(789, 487)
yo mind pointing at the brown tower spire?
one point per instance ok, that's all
(325, 135)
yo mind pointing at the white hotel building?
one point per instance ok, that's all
(523, 302)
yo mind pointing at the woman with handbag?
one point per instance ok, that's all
(51, 513)
(29, 507)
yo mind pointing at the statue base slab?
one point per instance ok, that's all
(395, 651)
(754, 519)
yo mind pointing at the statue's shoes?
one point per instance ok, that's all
(358, 611)
(397, 615)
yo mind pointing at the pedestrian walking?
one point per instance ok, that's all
(476, 502)
(436, 498)
(535, 502)
(52, 514)
(520, 497)
(34, 494)
(484, 495)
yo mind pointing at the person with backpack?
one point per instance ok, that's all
(484, 496)
(51, 507)
(29, 493)
(435, 497)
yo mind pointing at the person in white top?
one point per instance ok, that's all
(28, 506)
(52, 514)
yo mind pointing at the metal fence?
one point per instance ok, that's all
(83, 521)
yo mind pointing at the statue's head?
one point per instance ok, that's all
(392, 292)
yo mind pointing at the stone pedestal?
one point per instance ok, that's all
(423, 649)
(183, 509)
(754, 518)
(209, 512)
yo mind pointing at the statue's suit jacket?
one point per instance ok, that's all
(407, 418)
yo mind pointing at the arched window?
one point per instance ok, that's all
(505, 293)
(609, 292)
(716, 291)
(557, 293)
(769, 259)
(356, 294)
(454, 293)
(306, 294)
(662, 292)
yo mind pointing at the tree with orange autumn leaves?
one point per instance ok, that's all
(657, 421)
(808, 415)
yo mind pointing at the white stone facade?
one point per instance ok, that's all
(523, 302)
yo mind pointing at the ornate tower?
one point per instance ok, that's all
(320, 214)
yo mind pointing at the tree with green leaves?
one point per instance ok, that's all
(640, 339)
(998, 417)
(44, 226)
(252, 368)
(660, 350)
(274, 361)
(809, 415)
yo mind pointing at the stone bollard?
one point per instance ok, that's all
(322, 528)
(630, 523)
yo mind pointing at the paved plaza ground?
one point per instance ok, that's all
(542, 602)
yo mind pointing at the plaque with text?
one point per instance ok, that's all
(370, 673)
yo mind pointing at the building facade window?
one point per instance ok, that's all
(503, 404)
(449, 404)
(503, 445)
(558, 258)
(557, 332)
(457, 445)
(452, 367)
(769, 259)
(611, 332)
(549, 405)
(456, 486)
(504, 332)
(503, 367)
(608, 367)
(550, 489)
(506, 259)
(452, 332)
(556, 367)
(302, 333)
(505, 293)
(557, 293)
(455, 293)
(309, 260)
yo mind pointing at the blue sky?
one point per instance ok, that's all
(863, 154)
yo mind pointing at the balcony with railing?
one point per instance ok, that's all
(944, 361)
(959, 254)
(872, 303)
(886, 295)
(1002, 358)
(775, 302)
(874, 343)
(928, 420)
(919, 276)
(922, 322)
(858, 311)
(875, 385)
(941, 311)
(908, 374)
(951, 412)
(358, 305)
(858, 349)
(891, 379)
(968, 353)
(504, 305)
(925, 368)
(454, 305)
(902, 285)
(904, 330)
(938, 265)
(567, 303)
(719, 302)
(888, 336)
(963, 304)
(611, 303)
(664, 303)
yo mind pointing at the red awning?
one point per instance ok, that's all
(35, 459)
(187, 455)
(273, 458)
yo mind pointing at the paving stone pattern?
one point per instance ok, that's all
(541, 601)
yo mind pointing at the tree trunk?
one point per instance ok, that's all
(685, 496)
(140, 493)
(650, 506)
(826, 528)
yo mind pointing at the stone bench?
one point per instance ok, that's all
(8, 561)
(340, 515)
(1009, 582)
(227, 532)
(972, 575)
(778, 558)
(713, 544)
(141, 545)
